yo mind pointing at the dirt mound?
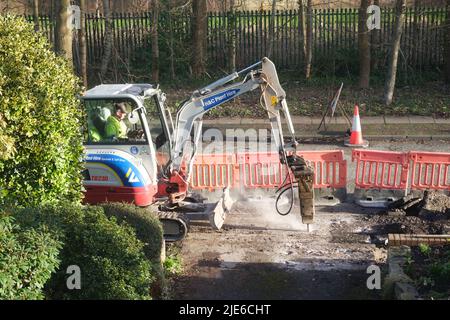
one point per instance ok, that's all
(436, 203)
(412, 215)
(384, 224)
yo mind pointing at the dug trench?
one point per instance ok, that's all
(261, 255)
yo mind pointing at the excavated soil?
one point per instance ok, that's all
(437, 204)
(429, 215)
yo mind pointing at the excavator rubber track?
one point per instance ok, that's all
(175, 225)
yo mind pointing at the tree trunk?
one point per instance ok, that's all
(393, 55)
(272, 29)
(82, 41)
(309, 35)
(447, 45)
(63, 31)
(376, 44)
(417, 36)
(232, 38)
(302, 26)
(155, 44)
(108, 40)
(97, 8)
(171, 41)
(363, 46)
(35, 4)
(199, 31)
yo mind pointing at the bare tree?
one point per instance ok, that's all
(14, 6)
(272, 29)
(108, 39)
(447, 45)
(363, 45)
(35, 5)
(82, 42)
(417, 38)
(232, 37)
(393, 55)
(63, 30)
(171, 44)
(302, 24)
(309, 35)
(199, 25)
(155, 44)
(376, 44)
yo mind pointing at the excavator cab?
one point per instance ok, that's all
(132, 167)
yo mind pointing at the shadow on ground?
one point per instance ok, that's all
(271, 281)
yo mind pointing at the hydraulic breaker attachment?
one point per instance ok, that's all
(304, 175)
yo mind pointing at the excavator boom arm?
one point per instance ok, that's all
(217, 93)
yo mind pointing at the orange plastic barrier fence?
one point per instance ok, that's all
(264, 170)
(381, 169)
(430, 170)
(329, 166)
(214, 171)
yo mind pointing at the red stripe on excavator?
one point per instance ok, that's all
(140, 196)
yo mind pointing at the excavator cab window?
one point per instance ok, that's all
(158, 131)
(105, 126)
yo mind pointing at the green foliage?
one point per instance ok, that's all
(111, 258)
(440, 271)
(6, 143)
(431, 271)
(144, 221)
(172, 269)
(149, 230)
(424, 249)
(39, 107)
(27, 259)
(173, 265)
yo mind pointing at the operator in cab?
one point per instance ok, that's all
(115, 127)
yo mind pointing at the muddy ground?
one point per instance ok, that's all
(261, 255)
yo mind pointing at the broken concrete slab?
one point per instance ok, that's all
(405, 291)
(397, 284)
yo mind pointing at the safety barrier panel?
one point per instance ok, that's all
(415, 170)
(261, 170)
(264, 170)
(430, 170)
(214, 171)
(329, 166)
(381, 169)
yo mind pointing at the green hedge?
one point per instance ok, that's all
(111, 258)
(6, 143)
(149, 230)
(144, 221)
(27, 259)
(40, 115)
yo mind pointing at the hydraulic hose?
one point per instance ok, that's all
(284, 189)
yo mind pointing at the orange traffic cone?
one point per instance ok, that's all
(356, 139)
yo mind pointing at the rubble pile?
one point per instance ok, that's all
(429, 214)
